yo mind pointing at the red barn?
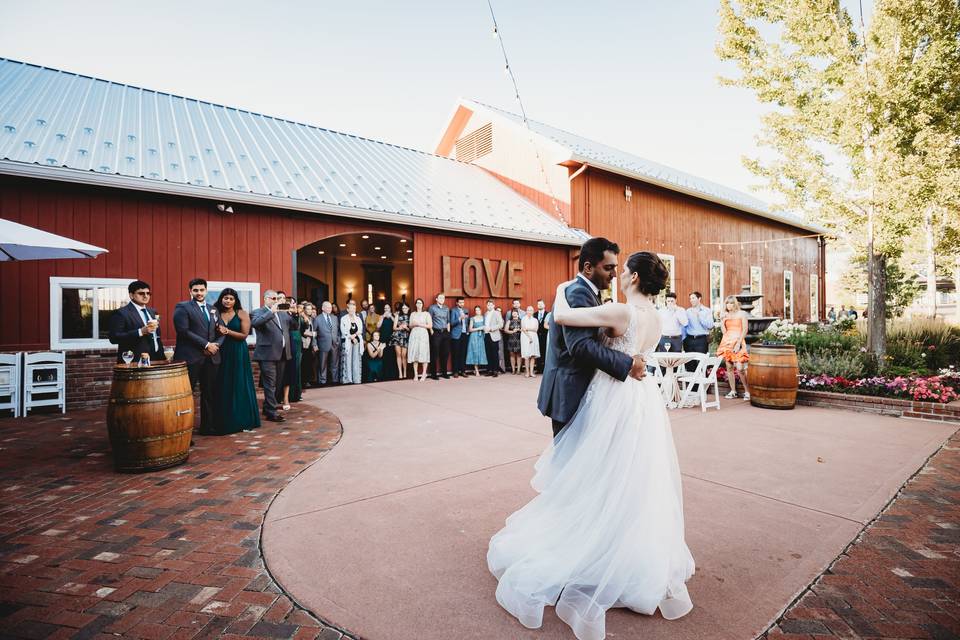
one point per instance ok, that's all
(177, 188)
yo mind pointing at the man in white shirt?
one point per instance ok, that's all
(492, 324)
(673, 319)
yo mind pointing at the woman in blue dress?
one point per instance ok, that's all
(235, 399)
(476, 351)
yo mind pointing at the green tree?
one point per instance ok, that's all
(865, 121)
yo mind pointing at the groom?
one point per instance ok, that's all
(575, 353)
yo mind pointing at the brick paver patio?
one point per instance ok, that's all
(89, 553)
(901, 578)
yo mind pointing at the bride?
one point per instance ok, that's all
(606, 529)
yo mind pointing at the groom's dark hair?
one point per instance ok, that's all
(593, 249)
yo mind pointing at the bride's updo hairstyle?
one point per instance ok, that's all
(652, 274)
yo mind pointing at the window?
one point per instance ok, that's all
(756, 286)
(788, 295)
(669, 261)
(249, 293)
(716, 287)
(80, 310)
(814, 297)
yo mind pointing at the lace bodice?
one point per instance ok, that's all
(628, 342)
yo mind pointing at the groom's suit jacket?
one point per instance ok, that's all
(573, 356)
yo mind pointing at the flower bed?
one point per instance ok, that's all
(942, 388)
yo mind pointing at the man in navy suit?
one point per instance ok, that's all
(575, 353)
(135, 327)
(198, 344)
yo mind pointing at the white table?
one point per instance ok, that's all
(671, 361)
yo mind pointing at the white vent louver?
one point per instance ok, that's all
(476, 144)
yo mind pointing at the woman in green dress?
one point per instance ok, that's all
(235, 398)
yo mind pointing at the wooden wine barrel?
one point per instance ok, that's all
(150, 416)
(772, 376)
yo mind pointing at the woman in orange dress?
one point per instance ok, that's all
(733, 345)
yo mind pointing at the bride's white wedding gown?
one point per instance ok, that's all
(606, 529)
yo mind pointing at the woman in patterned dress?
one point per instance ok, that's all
(733, 344)
(512, 329)
(418, 344)
(401, 334)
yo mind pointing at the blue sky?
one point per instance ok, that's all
(641, 75)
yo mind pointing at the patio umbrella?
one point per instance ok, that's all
(20, 242)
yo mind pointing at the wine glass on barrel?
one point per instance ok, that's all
(127, 357)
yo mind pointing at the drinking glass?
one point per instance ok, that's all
(666, 346)
(168, 353)
(127, 357)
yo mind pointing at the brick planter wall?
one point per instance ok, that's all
(883, 406)
(89, 374)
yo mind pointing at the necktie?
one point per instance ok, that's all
(329, 326)
(206, 312)
(146, 319)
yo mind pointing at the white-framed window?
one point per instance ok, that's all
(669, 261)
(814, 297)
(80, 310)
(249, 293)
(756, 286)
(788, 295)
(716, 287)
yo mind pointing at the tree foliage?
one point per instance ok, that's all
(865, 120)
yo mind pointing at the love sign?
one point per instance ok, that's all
(467, 277)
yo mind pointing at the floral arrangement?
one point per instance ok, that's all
(780, 330)
(938, 388)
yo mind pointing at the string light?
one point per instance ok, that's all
(523, 113)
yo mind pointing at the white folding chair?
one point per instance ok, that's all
(703, 378)
(654, 368)
(10, 377)
(44, 375)
(683, 375)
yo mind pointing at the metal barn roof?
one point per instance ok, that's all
(64, 126)
(605, 157)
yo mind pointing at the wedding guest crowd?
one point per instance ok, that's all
(299, 346)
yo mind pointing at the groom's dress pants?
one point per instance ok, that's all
(557, 426)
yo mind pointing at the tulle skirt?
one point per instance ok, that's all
(606, 529)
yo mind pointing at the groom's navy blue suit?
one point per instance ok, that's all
(573, 356)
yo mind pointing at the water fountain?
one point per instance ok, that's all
(756, 325)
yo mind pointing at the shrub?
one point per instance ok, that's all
(926, 345)
(834, 363)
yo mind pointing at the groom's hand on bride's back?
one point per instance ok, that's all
(639, 368)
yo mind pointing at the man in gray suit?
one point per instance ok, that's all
(327, 327)
(272, 351)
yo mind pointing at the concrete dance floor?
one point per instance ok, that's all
(386, 536)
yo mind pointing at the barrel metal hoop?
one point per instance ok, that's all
(166, 436)
(156, 462)
(754, 363)
(178, 396)
(131, 375)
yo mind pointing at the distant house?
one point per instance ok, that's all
(648, 206)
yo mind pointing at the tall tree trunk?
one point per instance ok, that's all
(931, 244)
(956, 289)
(877, 294)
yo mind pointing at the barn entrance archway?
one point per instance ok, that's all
(371, 265)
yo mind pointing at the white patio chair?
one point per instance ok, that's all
(44, 374)
(10, 377)
(654, 368)
(703, 378)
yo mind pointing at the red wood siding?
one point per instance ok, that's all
(544, 267)
(167, 240)
(664, 221)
